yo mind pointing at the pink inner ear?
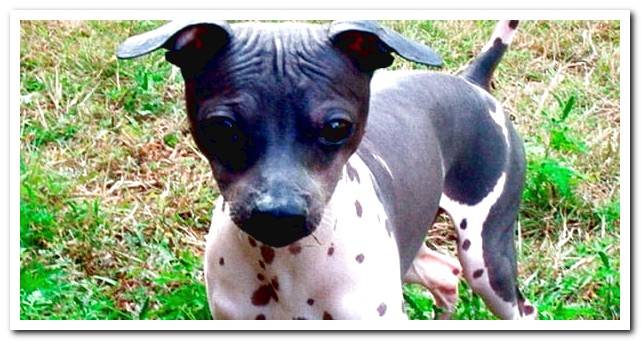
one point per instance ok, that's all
(359, 45)
(189, 36)
(356, 44)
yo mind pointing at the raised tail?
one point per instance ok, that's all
(482, 67)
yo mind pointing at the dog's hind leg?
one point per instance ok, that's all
(486, 247)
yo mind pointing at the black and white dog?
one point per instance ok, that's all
(331, 172)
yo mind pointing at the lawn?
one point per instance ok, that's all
(115, 199)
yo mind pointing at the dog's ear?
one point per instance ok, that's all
(189, 44)
(370, 45)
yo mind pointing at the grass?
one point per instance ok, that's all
(115, 199)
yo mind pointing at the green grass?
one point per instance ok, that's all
(115, 200)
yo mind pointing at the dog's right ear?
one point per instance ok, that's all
(190, 44)
(370, 45)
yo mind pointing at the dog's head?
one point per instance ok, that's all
(277, 109)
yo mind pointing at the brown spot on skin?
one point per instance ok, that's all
(330, 251)
(455, 272)
(221, 261)
(275, 283)
(260, 317)
(310, 301)
(466, 244)
(528, 309)
(478, 273)
(352, 173)
(299, 318)
(360, 258)
(359, 208)
(261, 263)
(267, 253)
(295, 249)
(463, 224)
(382, 308)
(513, 24)
(498, 42)
(263, 295)
(260, 277)
(327, 316)
(252, 242)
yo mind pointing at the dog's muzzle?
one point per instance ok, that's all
(278, 221)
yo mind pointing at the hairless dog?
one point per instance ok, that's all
(331, 170)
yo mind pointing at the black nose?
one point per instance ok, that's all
(277, 222)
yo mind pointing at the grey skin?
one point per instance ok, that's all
(443, 141)
(266, 102)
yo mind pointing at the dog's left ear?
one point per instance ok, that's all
(189, 44)
(370, 45)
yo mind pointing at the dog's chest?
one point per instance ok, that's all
(348, 269)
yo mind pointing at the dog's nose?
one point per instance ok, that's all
(278, 221)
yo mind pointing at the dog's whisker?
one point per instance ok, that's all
(316, 239)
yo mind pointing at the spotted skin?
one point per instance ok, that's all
(487, 263)
(482, 185)
(339, 242)
(431, 140)
(465, 157)
(340, 285)
(472, 254)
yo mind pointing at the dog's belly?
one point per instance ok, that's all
(348, 269)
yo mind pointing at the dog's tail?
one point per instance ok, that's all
(482, 67)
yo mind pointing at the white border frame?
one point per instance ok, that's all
(625, 168)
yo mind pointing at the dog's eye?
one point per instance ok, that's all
(222, 129)
(335, 132)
